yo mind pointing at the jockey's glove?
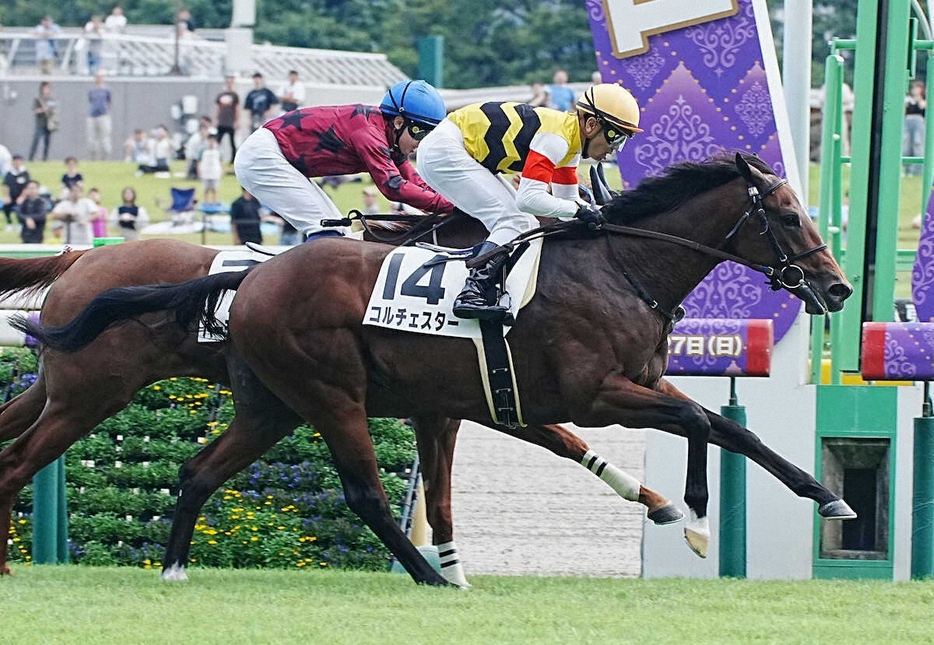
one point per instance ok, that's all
(590, 215)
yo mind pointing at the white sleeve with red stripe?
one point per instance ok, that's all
(540, 172)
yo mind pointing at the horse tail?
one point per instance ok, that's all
(32, 275)
(195, 300)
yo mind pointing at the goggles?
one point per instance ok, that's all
(416, 130)
(616, 137)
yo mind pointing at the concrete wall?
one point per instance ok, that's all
(137, 103)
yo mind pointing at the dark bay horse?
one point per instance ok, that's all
(591, 347)
(83, 389)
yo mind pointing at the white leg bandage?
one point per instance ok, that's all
(451, 569)
(625, 486)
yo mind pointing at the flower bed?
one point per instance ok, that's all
(284, 511)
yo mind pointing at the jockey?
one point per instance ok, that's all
(275, 162)
(461, 156)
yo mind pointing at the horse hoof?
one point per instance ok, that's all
(836, 510)
(5, 571)
(697, 534)
(175, 573)
(667, 514)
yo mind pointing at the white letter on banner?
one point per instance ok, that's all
(630, 22)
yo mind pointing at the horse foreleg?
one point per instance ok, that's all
(436, 437)
(566, 444)
(21, 411)
(249, 435)
(620, 401)
(733, 437)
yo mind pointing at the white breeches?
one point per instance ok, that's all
(445, 165)
(263, 170)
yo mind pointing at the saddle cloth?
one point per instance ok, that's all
(227, 262)
(416, 288)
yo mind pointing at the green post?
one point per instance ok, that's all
(50, 515)
(922, 502)
(431, 59)
(733, 498)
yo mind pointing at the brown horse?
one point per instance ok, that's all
(133, 356)
(591, 347)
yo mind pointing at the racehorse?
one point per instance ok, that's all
(82, 390)
(590, 347)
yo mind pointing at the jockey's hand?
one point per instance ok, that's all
(591, 215)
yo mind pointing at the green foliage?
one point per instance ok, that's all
(285, 510)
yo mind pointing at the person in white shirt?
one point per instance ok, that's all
(115, 23)
(210, 168)
(292, 94)
(73, 217)
(160, 152)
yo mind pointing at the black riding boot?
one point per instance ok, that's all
(478, 298)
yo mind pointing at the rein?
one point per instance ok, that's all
(421, 225)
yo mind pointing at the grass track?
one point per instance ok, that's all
(88, 605)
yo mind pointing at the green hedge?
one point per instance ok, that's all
(284, 511)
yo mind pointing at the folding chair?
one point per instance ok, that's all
(182, 207)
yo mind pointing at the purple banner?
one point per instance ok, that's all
(898, 351)
(702, 87)
(717, 347)
(922, 273)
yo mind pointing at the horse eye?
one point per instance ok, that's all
(790, 219)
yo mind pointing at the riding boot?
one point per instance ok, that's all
(479, 296)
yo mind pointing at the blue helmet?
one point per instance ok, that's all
(416, 101)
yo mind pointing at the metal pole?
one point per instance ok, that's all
(48, 491)
(922, 502)
(796, 79)
(733, 498)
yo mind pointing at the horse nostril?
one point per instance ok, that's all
(840, 290)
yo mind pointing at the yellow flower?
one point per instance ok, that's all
(212, 542)
(156, 387)
(254, 539)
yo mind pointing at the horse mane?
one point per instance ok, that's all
(676, 185)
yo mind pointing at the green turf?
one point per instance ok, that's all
(88, 605)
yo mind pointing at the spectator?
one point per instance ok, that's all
(130, 218)
(115, 23)
(31, 212)
(289, 235)
(99, 121)
(71, 177)
(195, 144)
(259, 102)
(227, 114)
(184, 22)
(292, 93)
(94, 34)
(540, 95)
(99, 218)
(14, 182)
(562, 95)
(75, 214)
(913, 137)
(160, 151)
(136, 148)
(370, 201)
(46, 32)
(210, 169)
(245, 219)
(45, 110)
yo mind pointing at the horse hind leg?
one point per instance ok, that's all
(20, 412)
(436, 437)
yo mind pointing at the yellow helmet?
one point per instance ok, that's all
(612, 105)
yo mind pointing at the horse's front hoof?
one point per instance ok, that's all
(697, 534)
(667, 514)
(836, 510)
(175, 573)
(5, 571)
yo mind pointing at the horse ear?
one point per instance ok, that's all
(743, 166)
(601, 192)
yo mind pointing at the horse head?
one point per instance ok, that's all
(777, 232)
